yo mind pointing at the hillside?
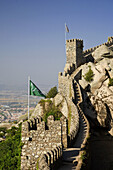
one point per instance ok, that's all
(98, 92)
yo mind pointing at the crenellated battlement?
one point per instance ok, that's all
(63, 75)
(74, 40)
(34, 122)
(90, 50)
(74, 50)
(31, 124)
(40, 138)
(76, 56)
(70, 69)
(51, 159)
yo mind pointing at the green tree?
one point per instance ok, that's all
(10, 150)
(52, 92)
(89, 75)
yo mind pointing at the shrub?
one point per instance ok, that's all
(83, 155)
(52, 111)
(89, 75)
(52, 92)
(10, 150)
(42, 101)
(110, 82)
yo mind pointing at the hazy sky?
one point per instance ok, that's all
(32, 36)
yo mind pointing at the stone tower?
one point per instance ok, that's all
(74, 50)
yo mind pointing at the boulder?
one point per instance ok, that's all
(101, 52)
(60, 101)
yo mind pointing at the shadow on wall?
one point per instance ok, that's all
(108, 118)
(100, 143)
(89, 58)
(87, 105)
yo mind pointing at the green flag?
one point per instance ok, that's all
(34, 90)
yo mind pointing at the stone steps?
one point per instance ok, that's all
(70, 154)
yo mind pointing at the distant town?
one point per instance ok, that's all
(13, 104)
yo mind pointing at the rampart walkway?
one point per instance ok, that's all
(70, 155)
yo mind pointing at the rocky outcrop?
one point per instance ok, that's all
(98, 95)
(61, 102)
(102, 52)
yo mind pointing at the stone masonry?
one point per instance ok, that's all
(74, 50)
(39, 138)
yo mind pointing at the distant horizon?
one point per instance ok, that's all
(24, 87)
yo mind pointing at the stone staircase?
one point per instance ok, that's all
(71, 156)
(78, 97)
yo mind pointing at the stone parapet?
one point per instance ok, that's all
(108, 44)
(39, 138)
(74, 127)
(69, 68)
(64, 122)
(78, 160)
(67, 90)
(38, 141)
(50, 160)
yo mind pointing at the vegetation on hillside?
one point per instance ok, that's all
(110, 82)
(52, 92)
(50, 109)
(89, 75)
(10, 149)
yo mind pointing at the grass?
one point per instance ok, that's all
(37, 165)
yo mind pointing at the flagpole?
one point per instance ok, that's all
(65, 37)
(28, 94)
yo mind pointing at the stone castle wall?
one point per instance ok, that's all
(64, 85)
(74, 127)
(76, 56)
(108, 44)
(51, 159)
(67, 90)
(39, 139)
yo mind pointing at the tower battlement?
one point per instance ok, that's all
(74, 50)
